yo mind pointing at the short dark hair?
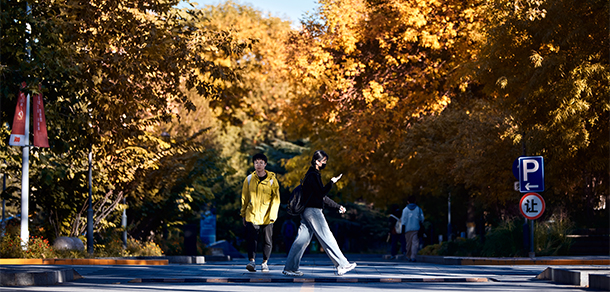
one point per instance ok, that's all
(411, 199)
(318, 155)
(259, 156)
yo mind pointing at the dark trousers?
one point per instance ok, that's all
(252, 233)
(394, 239)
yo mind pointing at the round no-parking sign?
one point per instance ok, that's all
(532, 205)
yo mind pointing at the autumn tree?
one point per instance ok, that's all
(245, 118)
(109, 72)
(428, 96)
(366, 71)
(547, 63)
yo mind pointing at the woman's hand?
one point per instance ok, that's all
(342, 210)
(336, 178)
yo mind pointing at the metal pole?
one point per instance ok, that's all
(124, 224)
(90, 209)
(532, 254)
(449, 231)
(25, 180)
(3, 201)
(25, 163)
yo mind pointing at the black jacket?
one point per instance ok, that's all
(316, 192)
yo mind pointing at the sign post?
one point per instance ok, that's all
(532, 206)
(530, 172)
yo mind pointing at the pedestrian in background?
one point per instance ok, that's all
(289, 233)
(412, 217)
(395, 233)
(260, 202)
(314, 222)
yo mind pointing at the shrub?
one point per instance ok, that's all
(36, 247)
(550, 236)
(505, 240)
(137, 248)
(432, 249)
(458, 247)
(72, 254)
(111, 247)
(172, 244)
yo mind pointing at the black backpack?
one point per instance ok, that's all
(296, 205)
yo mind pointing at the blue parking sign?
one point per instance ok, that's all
(531, 174)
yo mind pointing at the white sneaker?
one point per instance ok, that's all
(251, 266)
(292, 273)
(342, 270)
(264, 268)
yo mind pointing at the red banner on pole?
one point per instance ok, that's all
(18, 134)
(40, 123)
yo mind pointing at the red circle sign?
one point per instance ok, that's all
(532, 205)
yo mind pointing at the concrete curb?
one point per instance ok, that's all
(592, 277)
(147, 261)
(171, 259)
(77, 262)
(540, 261)
(306, 280)
(38, 277)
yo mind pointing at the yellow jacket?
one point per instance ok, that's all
(260, 200)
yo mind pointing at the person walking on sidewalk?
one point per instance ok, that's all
(314, 222)
(412, 217)
(260, 202)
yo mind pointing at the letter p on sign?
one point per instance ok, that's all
(531, 174)
(529, 166)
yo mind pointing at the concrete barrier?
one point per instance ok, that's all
(42, 277)
(599, 282)
(593, 277)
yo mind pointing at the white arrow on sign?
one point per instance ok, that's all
(528, 186)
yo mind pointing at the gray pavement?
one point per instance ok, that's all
(373, 272)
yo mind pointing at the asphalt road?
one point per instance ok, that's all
(372, 274)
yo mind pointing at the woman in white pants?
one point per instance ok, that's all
(313, 221)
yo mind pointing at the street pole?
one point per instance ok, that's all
(124, 224)
(25, 179)
(3, 202)
(25, 150)
(90, 209)
(532, 254)
(449, 231)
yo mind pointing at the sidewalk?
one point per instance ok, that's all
(317, 269)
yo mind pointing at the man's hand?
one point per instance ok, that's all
(342, 210)
(336, 178)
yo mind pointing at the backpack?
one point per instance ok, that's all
(296, 205)
(397, 225)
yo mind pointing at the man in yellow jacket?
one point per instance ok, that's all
(260, 202)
